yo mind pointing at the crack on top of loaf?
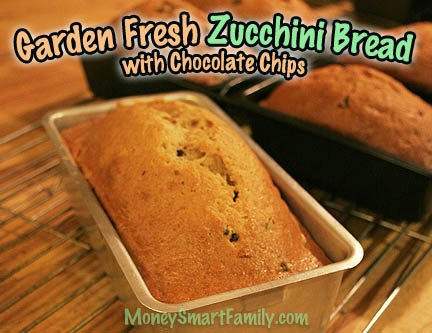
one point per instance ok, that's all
(344, 104)
(216, 165)
(269, 223)
(170, 118)
(201, 124)
(190, 153)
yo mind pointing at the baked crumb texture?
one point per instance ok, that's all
(193, 204)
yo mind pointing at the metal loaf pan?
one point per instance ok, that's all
(394, 187)
(312, 292)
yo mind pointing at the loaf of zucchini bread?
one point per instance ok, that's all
(195, 207)
(363, 104)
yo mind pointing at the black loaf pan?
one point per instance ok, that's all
(402, 11)
(106, 80)
(396, 188)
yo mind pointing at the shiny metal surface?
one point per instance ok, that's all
(313, 292)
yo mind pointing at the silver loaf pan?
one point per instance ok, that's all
(312, 292)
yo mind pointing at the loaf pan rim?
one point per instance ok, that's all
(354, 255)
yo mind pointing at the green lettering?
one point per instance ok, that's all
(302, 319)
(404, 48)
(322, 25)
(251, 34)
(307, 37)
(370, 46)
(340, 38)
(129, 320)
(281, 30)
(386, 51)
(182, 316)
(265, 38)
(357, 38)
(206, 319)
(194, 319)
(295, 22)
(214, 38)
(237, 40)
(238, 319)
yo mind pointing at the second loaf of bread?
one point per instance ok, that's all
(361, 103)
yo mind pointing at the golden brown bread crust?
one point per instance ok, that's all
(418, 74)
(167, 10)
(193, 204)
(265, 9)
(250, 9)
(363, 104)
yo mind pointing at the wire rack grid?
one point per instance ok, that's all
(50, 276)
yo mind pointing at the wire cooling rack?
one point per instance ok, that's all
(50, 279)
